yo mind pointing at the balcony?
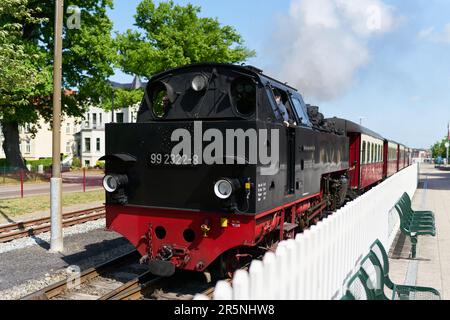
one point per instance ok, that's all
(87, 125)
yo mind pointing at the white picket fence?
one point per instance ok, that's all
(318, 263)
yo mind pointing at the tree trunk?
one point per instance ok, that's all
(11, 145)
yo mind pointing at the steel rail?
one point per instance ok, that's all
(19, 230)
(61, 287)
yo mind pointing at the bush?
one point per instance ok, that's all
(100, 165)
(3, 163)
(47, 162)
(76, 163)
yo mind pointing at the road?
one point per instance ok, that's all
(71, 183)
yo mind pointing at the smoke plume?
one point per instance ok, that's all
(321, 44)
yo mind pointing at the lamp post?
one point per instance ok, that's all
(56, 241)
(447, 146)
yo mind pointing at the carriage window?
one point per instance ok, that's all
(373, 153)
(243, 94)
(363, 152)
(368, 152)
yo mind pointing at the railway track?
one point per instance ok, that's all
(103, 282)
(125, 278)
(34, 227)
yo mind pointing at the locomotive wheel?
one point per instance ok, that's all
(224, 267)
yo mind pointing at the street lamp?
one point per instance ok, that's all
(447, 146)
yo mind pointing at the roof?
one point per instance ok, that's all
(349, 126)
(136, 84)
(251, 70)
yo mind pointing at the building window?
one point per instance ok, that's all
(68, 129)
(87, 144)
(119, 117)
(28, 147)
(87, 163)
(98, 144)
(94, 120)
(101, 120)
(68, 147)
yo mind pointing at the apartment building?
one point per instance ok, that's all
(39, 145)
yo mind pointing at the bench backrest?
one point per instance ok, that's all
(383, 260)
(359, 287)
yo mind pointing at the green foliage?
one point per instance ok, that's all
(76, 163)
(26, 62)
(44, 162)
(439, 149)
(173, 35)
(100, 165)
(124, 98)
(23, 73)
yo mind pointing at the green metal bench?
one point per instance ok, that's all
(372, 278)
(378, 262)
(414, 223)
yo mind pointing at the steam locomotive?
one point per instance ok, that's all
(224, 159)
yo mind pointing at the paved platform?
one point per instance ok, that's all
(431, 268)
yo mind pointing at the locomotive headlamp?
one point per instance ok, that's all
(224, 188)
(199, 83)
(112, 183)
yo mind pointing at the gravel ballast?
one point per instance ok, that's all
(26, 265)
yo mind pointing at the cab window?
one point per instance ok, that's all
(281, 105)
(243, 94)
(301, 111)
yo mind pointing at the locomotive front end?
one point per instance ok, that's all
(181, 182)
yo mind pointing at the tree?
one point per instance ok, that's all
(21, 79)
(124, 98)
(173, 35)
(439, 149)
(88, 57)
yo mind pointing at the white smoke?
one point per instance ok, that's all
(322, 43)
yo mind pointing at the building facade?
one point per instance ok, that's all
(80, 137)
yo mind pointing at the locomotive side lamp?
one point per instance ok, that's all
(112, 183)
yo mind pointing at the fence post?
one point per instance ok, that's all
(84, 179)
(21, 183)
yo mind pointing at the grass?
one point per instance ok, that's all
(18, 207)
(16, 181)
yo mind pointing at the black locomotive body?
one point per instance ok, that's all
(216, 164)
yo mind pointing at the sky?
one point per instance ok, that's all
(382, 62)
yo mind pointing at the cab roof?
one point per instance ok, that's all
(247, 69)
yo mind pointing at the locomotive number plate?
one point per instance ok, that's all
(158, 159)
